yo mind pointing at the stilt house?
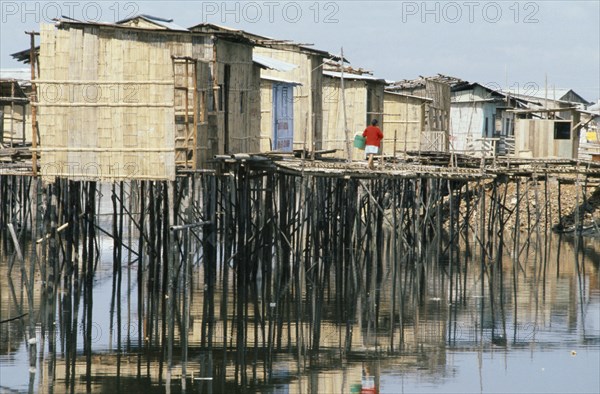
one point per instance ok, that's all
(542, 134)
(437, 118)
(404, 123)
(142, 97)
(292, 95)
(344, 117)
(481, 119)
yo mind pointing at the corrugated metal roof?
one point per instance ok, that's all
(534, 98)
(552, 94)
(24, 55)
(214, 28)
(282, 80)
(257, 39)
(422, 81)
(408, 95)
(335, 74)
(273, 64)
(166, 23)
(23, 74)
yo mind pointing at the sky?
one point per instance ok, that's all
(520, 45)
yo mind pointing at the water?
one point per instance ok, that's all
(533, 327)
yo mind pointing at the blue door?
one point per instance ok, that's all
(283, 117)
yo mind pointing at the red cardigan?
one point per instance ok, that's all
(373, 134)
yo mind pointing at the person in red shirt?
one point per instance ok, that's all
(374, 136)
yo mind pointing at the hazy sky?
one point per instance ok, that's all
(501, 43)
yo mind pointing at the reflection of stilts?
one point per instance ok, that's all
(367, 381)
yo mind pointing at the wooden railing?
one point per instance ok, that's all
(481, 147)
(490, 146)
(507, 146)
(433, 141)
(589, 151)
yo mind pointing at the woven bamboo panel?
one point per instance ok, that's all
(334, 135)
(204, 146)
(254, 110)
(234, 120)
(15, 113)
(403, 121)
(106, 105)
(266, 115)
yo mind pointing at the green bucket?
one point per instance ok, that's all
(359, 142)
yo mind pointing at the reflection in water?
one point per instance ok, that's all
(451, 307)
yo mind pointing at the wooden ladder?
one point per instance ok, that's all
(186, 113)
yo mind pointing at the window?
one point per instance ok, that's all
(211, 103)
(562, 130)
(221, 98)
(284, 100)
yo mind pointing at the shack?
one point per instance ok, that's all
(277, 106)
(140, 98)
(481, 119)
(295, 79)
(364, 101)
(404, 124)
(15, 108)
(542, 134)
(437, 117)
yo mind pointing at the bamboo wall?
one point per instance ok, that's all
(119, 102)
(364, 101)
(243, 99)
(316, 91)
(439, 110)
(333, 114)
(105, 104)
(404, 122)
(15, 113)
(266, 115)
(14, 126)
(438, 114)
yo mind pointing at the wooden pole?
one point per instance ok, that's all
(12, 114)
(343, 94)
(140, 276)
(170, 250)
(33, 99)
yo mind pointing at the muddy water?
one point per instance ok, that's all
(529, 327)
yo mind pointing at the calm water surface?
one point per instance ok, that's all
(534, 327)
